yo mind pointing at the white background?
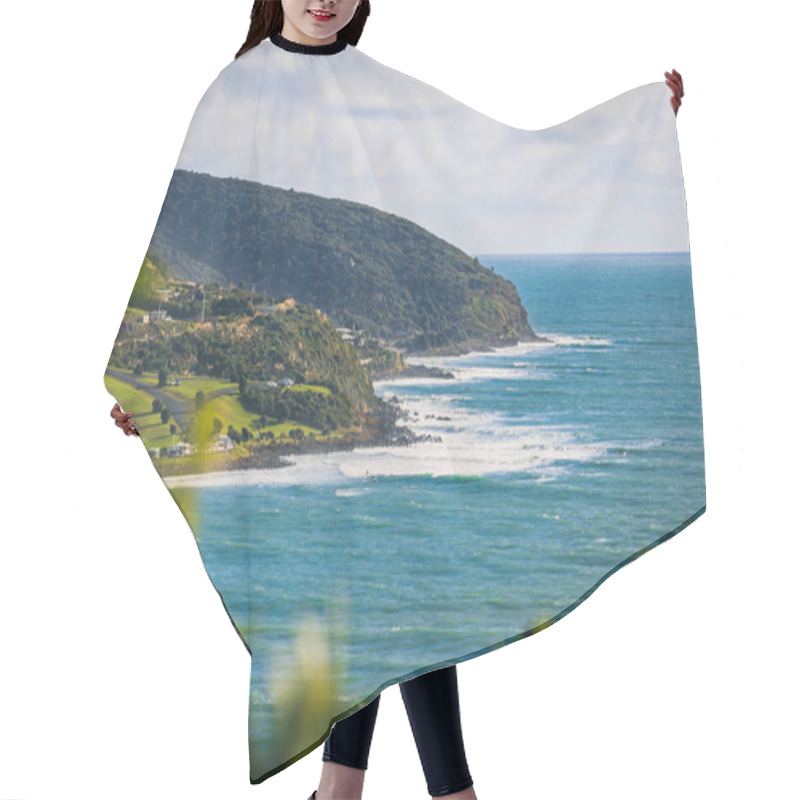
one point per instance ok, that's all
(120, 674)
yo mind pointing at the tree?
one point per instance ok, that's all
(162, 377)
(157, 406)
(173, 429)
(165, 415)
(281, 411)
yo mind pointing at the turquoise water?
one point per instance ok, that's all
(558, 462)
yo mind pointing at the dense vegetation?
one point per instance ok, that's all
(365, 268)
(320, 410)
(232, 324)
(240, 343)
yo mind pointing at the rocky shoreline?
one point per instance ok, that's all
(414, 371)
(461, 349)
(385, 428)
(475, 346)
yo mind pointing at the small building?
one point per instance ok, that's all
(179, 450)
(350, 334)
(221, 443)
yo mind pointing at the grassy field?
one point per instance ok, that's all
(192, 384)
(229, 411)
(227, 407)
(154, 433)
(189, 387)
(130, 398)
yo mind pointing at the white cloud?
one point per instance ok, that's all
(345, 126)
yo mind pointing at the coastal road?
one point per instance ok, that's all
(182, 410)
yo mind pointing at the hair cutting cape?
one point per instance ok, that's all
(418, 380)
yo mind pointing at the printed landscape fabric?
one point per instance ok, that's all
(418, 380)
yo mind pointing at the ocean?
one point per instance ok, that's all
(558, 463)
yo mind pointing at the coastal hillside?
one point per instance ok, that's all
(365, 268)
(234, 334)
(224, 377)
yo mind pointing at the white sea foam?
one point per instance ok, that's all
(517, 369)
(479, 449)
(350, 492)
(471, 444)
(399, 382)
(520, 349)
(483, 373)
(624, 448)
(304, 469)
(471, 368)
(565, 340)
(468, 442)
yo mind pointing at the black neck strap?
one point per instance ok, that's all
(309, 49)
